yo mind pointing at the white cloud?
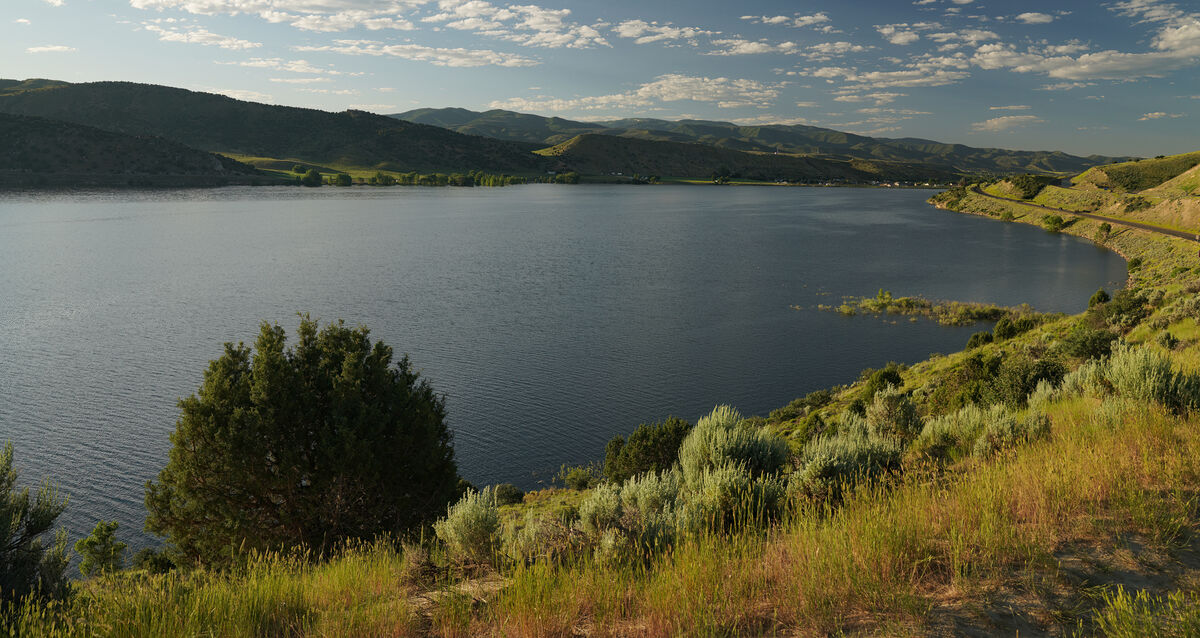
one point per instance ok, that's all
(721, 91)
(646, 32)
(54, 48)
(998, 124)
(1065, 86)
(1159, 115)
(299, 80)
(528, 25)
(962, 1)
(1015, 107)
(1035, 18)
(903, 33)
(796, 20)
(739, 46)
(22, 21)
(772, 120)
(329, 91)
(197, 35)
(279, 64)
(968, 36)
(807, 105)
(377, 108)
(54, 3)
(879, 98)
(346, 20)
(451, 57)
(826, 51)
(248, 96)
(892, 79)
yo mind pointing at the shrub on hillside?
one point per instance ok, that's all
(829, 464)
(650, 448)
(892, 415)
(508, 494)
(1030, 185)
(951, 436)
(577, 477)
(1020, 375)
(1009, 432)
(978, 339)
(1053, 223)
(1009, 327)
(1140, 373)
(718, 440)
(601, 510)
(1086, 342)
(1099, 297)
(876, 380)
(470, 527)
(729, 497)
(1086, 380)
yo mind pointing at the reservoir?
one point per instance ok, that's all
(550, 317)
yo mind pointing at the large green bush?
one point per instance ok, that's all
(892, 415)
(830, 463)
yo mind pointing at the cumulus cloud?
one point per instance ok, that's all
(54, 3)
(299, 80)
(879, 98)
(1015, 107)
(450, 57)
(1035, 18)
(279, 64)
(905, 78)
(22, 21)
(528, 25)
(643, 32)
(197, 35)
(797, 20)
(772, 120)
(903, 33)
(1175, 45)
(1159, 115)
(998, 124)
(53, 48)
(721, 91)
(826, 51)
(739, 46)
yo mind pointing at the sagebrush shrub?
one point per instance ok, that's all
(892, 414)
(469, 529)
(729, 497)
(601, 510)
(1088, 379)
(1140, 373)
(545, 537)
(719, 440)
(1007, 432)
(829, 463)
(951, 435)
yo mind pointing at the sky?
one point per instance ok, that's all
(1111, 78)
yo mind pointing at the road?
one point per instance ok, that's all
(1116, 222)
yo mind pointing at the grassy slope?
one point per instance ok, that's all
(38, 150)
(352, 139)
(1091, 529)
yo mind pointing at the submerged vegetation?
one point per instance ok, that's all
(1042, 481)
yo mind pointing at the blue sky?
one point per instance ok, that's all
(1115, 78)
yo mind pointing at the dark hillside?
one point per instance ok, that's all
(39, 151)
(222, 124)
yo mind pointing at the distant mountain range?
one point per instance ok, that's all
(460, 140)
(797, 140)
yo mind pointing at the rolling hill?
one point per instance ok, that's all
(799, 140)
(37, 151)
(607, 155)
(221, 124)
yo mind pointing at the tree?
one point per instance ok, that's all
(311, 178)
(101, 552)
(306, 446)
(27, 565)
(343, 179)
(652, 447)
(1103, 232)
(1099, 297)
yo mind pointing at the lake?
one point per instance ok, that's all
(551, 317)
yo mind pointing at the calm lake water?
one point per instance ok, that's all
(551, 317)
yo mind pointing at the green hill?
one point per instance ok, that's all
(1139, 175)
(800, 140)
(224, 125)
(38, 151)
(593, 154)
